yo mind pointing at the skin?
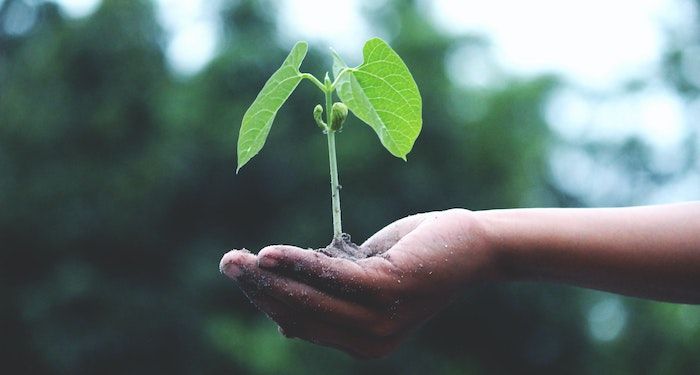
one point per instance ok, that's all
(367, 307)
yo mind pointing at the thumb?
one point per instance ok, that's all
(392, 233)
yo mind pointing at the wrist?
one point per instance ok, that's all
(481, 255)
(494, 226)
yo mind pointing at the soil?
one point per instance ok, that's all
(343, 247)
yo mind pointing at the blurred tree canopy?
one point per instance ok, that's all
(118, 197)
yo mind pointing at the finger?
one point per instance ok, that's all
(276, 310)
(360, 343)
(304, 298)
(235, 262)
(392, 233)
(240, 265)
(336, 276)
(316, 304)
(292, 325)
(294, 322)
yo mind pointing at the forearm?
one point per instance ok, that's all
(650, 252)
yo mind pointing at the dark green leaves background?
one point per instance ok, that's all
(118, 196)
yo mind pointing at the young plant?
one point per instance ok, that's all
(381, 92)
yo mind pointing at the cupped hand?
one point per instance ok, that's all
(366, 307)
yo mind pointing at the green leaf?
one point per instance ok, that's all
(382, 93)
(258, 119)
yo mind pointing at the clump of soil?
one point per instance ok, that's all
(343, 247)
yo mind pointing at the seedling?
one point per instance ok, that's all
(381, 92)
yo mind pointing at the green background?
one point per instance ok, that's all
(118, 197)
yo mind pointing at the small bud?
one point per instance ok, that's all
(318, 116)
(339, 113)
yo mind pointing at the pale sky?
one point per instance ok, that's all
(595, 43)
(595, 46)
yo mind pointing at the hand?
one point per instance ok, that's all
(367, 307)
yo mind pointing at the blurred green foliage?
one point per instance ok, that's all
(118, 197)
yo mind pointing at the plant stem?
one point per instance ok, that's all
(335, 186)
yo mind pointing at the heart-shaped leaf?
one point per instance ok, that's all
(258, 119)
(382, 93)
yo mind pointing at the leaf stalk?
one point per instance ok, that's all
(337, 79)
(314, 80)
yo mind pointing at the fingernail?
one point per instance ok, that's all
(267, 261)
(228, 267)
(231, 270)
